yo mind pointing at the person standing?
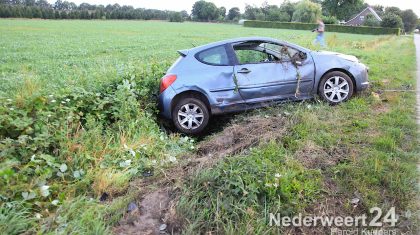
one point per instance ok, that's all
(320, 31)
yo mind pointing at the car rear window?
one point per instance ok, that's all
(214, 56)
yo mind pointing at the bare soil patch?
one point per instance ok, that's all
(158, 195)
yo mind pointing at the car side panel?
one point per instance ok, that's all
(325, 63)
(274, 81)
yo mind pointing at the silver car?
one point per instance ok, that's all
(245, 73)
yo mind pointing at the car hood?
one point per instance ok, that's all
(343, 56)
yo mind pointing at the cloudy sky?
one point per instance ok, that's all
(178, 5)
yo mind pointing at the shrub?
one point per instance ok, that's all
(409, 19)
(277, 15)
(54, 144)
(371, 21)
(392, 21)
(329, 28)
(329, 20)
(175, 17)
(307, 12)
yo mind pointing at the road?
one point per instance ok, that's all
(417, 42)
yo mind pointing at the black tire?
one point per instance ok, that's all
(337, 92)
(195, 117)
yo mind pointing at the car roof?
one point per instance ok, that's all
(237, 40)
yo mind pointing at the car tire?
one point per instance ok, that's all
(190, 116)
(335, 87)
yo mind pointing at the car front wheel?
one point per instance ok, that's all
(336, 87)
(190, 116)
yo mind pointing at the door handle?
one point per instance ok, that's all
(244, 70)
(298, 63)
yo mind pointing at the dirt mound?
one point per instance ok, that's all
(242, 135)
(156, 213)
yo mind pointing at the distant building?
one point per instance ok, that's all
(360, 18)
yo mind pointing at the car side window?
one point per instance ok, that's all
(285, 53)
(214, 56)
(251, 56)
(289, 54)
(256, 52)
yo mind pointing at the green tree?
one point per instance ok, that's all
(342, 9)
(204, 11)
(27, 12)
(5, 12)
(252, 12)
(379, 9)
(288, 7)
(371, 21)
(29, 2)
(307, 12)
(393, 10)
(329, 20)
(391, 20)
(175, 17)
(222, 12)
(234, 13)
(42, 4)
(64, 15)
(36, 12)
(409, 19)
(185, 15)
(276, 14)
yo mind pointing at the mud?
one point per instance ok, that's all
(147, 218)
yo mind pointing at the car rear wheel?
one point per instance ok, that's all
(190, 116)
(336, 87)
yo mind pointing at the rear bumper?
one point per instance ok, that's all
(165, 101)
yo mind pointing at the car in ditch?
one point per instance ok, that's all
(245, 73)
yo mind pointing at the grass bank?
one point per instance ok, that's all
(334, 160)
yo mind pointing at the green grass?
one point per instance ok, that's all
(15, 219)
(367, 148)
(106, 134)
(236, 194)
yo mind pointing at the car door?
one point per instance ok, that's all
(214, 75)
(263, 73)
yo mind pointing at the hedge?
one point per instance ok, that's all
(328, 28)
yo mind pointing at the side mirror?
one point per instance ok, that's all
(303, 55)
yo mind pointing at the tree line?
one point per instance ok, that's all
(306, 11)
(332, 12)
(69, 10)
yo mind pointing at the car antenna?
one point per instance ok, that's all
(193, 44)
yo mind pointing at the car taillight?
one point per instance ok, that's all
(167, 81)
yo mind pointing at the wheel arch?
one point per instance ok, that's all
(191, 94)
(339, 70)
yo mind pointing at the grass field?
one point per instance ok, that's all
(78, 129)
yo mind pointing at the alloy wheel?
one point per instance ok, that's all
(190, 116)
(336, 89)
